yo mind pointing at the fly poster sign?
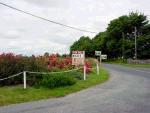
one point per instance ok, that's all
(78, 58)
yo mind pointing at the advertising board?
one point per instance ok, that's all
(78, 58)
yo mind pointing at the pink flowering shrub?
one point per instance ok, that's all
(55, 62)
(11, 64)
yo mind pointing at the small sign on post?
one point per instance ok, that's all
(103, 57)
(97, 53)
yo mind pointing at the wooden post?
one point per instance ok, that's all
(97, 67)
(24, 80)
(84, 72)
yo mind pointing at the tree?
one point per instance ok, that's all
(46, 54)
(83, 44)
(124, 24)
(99, 42)
(144, 46)
(111, 41)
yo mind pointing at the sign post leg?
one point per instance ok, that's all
(24, 80)
(97, 68)
(84, 72)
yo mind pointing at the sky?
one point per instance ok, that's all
(27, 35)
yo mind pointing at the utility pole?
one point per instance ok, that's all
(123, 45)
(135, 36)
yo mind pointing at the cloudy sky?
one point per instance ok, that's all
(24, 34)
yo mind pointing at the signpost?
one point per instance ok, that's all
(102, 57)
(98, 53)
(78, 59)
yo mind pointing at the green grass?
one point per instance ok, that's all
(16, 94)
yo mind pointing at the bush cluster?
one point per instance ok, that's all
(53, 81)
(11, 64)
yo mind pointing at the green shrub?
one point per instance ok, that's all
(77, 74)
(53, 81)
(11, 64)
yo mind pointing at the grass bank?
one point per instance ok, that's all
(16, 94)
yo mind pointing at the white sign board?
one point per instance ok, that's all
(97, 53)
(103, 56)
(78, 58)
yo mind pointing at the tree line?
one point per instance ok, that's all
(118, 40)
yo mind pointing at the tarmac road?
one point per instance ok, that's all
(127, 91)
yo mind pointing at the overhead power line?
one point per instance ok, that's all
(22, 11)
